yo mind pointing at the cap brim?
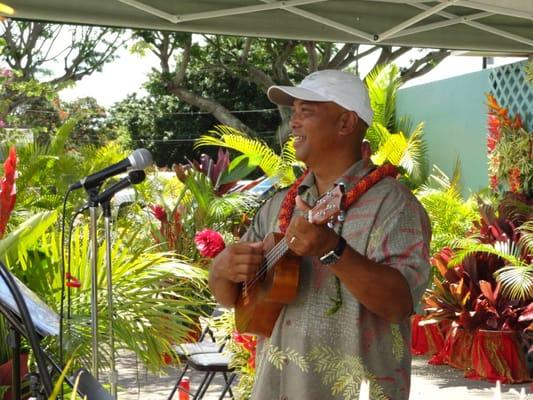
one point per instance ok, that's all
(285, 95)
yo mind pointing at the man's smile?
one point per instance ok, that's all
(298, 138)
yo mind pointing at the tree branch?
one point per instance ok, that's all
(222, 114)
(424, 65)
(181, 69)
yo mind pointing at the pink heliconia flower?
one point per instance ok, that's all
(209, 243)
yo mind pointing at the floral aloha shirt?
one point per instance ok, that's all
(313, 354)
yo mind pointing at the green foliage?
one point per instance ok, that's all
(206, 209)
(46, 170)
(168, 127)
(272, 164)
(156, 299)
(18, 241)
(239, 168)
(405, 147)
(529, 71)
(383, 85)
(450, 215)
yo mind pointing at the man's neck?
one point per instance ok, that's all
(326, 175)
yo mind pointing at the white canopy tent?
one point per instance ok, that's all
(475, 25)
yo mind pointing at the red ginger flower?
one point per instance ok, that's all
(8, 189)
(159, 212)
(209, 243)
(72, 281)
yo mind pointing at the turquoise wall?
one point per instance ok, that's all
(455, 114)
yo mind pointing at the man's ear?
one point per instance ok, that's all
(348, 122)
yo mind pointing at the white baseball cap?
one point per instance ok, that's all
(339, 87)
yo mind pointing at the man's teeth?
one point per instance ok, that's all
(298, 138)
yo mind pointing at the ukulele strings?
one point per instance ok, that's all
(271, 258)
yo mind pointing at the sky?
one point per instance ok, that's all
(128, 72)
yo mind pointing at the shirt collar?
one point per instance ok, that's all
(349, 177)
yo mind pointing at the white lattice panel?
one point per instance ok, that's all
(511, 89)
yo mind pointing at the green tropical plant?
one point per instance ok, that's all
(272, 164)
(529, 71)
(45, 171)
(398, 142)
(505, 234)
(451, 216)
(157, 299)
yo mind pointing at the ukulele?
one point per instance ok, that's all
(262, 298)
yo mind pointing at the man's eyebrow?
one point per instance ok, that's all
(306, 103)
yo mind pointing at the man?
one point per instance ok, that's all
(359, 281)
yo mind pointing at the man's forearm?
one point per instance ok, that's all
(380, 288)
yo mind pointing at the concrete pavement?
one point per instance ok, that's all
(428, 382)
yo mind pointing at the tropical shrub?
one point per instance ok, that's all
(451, 216)
(509, 147)
(394, 140)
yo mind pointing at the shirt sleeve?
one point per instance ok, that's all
(400, 239)
(265, 220)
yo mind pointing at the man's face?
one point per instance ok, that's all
(315, 127)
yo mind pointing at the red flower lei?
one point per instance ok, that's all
(287, 207)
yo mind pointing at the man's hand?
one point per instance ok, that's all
(307, 239)
(236, 263)
(239, 262)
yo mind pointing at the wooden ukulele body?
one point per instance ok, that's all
(260, 304)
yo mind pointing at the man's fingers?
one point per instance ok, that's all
(249, 248)
(248, 259)
(302, 205)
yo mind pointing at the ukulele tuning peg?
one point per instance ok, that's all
(331, 223)
(341, 217)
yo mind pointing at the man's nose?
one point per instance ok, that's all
(294, 121)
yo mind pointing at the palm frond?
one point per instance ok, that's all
(516, 281)
(469, 247)
(383, 84)
(231, 205)
(272, 164)
(392, 149)
(414, 158)
(231, 138)
(526, 240)
(18, 242)
(57, 145)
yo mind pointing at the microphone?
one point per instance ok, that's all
(139, 159)
(134, 177)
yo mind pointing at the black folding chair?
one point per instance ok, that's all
(205, 355)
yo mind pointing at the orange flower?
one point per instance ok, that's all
(514, 180)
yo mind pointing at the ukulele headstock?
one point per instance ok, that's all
(328, 206)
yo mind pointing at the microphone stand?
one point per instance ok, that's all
(113, 375)
(93, 204)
